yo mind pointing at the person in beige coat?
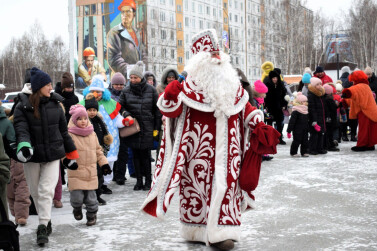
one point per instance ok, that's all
(82, 173)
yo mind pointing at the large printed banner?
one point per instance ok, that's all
(344, 48)
(116, 30)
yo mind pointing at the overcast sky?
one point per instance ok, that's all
(17, 16)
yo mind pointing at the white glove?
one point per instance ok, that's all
(25, 154)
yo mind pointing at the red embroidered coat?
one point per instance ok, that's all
(200, 157)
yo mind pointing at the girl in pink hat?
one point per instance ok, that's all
(259, 91)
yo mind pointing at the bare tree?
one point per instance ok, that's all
(33, 49)
(363, 32)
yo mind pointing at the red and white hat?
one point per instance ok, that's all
(205, 41)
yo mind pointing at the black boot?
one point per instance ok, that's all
(281, 141)
(101, 201)
(91, 218)
(49, 228)
(345, 138)
(106, 190)
(77, 213)
(42, 236)
(139, 184)
(353, 137)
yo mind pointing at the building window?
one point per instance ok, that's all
(172, 53)
(187, 22)
(200, 9)
(171, 2)
(171, 35)
(163, 34)
(214, 12)
(208, 11)
(236, 60)
(153, 51)
(225, 6)
(152, 32)
(193, 23)
(163, 53)
(200, 24)
(186, 5)
(187, 55)
(193, 6)
(162, 1)
(180, 43)
(179, 26)
(180, 60)
(162, 16)
(230, 16)
(179, 8)
(236, 18)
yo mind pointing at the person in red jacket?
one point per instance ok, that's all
(320, 73)
(359, 98)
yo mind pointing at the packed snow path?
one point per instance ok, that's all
(324, 202)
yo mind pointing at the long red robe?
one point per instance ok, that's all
(363, 107)
(200, 157)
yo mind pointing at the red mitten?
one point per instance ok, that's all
(317, 128)
(124, 121)
(289, 135)
(346, 93)
(172, 90)
(130, 121)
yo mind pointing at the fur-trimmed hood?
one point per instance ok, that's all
(315, 91)
(150, 74)
(161, 87)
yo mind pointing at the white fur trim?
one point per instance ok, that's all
(168, 105)
(93, 88)
(118, 121)
(171, 152)
(251, 115)
(195, 232)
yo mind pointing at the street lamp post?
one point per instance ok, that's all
(337, 56)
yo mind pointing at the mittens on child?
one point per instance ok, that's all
(106, 169)
(289, 135)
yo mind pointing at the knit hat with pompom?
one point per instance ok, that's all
(77, 111)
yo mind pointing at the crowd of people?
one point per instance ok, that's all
(47, 131)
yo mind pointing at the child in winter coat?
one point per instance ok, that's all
(259, 91)
(104, 137)
(317, 125)
(331, 119)
(298, 124)
(82, 173)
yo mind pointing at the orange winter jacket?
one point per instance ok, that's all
(362, 101)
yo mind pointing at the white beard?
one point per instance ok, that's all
(217, 79)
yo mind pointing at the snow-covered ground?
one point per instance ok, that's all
(324, 202)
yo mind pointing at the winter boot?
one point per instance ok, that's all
(353, 137)
(42, 236)
(21, 221)
(77, 213)
(57, 204)
(49, 228)
(91, 218)
(224, 245)
(139, 184)
(101, 201)
(359, 148)
(106, 190)
(148, 182)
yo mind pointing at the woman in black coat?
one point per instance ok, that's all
(275, 101)
(139, 100)
(317, 116)
(43, 139)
